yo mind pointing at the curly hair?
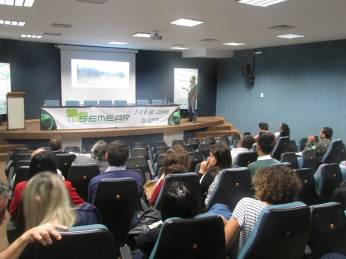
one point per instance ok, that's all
(276, 184)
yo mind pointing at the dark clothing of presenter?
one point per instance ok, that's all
(192, 103)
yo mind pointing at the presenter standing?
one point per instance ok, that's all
(192, 100)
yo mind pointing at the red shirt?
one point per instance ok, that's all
(17, 196)
(156, 192)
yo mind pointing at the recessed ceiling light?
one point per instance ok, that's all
(18, 3)
(141, 35)
(261, 3)
(235, 44)
(179, 47)
(187, 22)
(290, 36)
(11, 23)
(33, 36)
(118, 43)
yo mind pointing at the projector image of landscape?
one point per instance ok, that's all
(100, 74)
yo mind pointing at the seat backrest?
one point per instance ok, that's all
(80, 176)
(190, 179)
(291, 158)
(308, 193)
(209, 140)
(88, 242)
(194, 142)
(120, 102)
(64, 162)
(309, 159)
(328, 229)
(335, 153)
(117, 200)
(224, 138)
(139, 145)
(245, 158)
(90, 103)
(139, 163)
(294, 147)
(72, 103)
(281, 231)
(193, 159)
(22, 174)
(234, 139)
(283, 145)
(159, 163)
(200, 237)
(234, 184)
(105, 103)
(157, 151)
(74, 149)
(327, 177)
(21, 156)
(176, 142)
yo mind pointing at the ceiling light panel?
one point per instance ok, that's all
(11, 23)
(32, 36)
(235, 44)
(261, 3)
(179, 47)
(290, 36)
(187, 22)
(18, 3)
(118, 43)
(141, 35)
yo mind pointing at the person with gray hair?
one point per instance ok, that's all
(44, 234)
(98, 152)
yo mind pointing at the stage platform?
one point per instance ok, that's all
(33, 136)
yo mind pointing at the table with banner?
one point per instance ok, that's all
(84, 117)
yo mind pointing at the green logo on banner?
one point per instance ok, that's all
(84, 117)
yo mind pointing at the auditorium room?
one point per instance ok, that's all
(172, 129)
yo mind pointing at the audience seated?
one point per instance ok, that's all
(320, 147)
(273, 185)
(245, 144)
(55, 144)
(178, 201)
(44, 234)
(264, 147)
(98, 152)
(263, 128)
(174, 162)
(284, 131)
(40, 162)
(117, 155)
(219, 159)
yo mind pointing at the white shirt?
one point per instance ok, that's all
(236, 151)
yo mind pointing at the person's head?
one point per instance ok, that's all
(247, 133)
(220, 157)
(99, 150)
(265, 144)
(175, 161)
(284, 130)
(55, 143)
(193, 80)
(247, 142)
(3, 200)
(276, 184)
(42, 161)
(46, 200)
(179, 201)
(326, 133)
(339, 195)
(263, 126)
(117, 153)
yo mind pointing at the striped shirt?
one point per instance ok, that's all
(246, 214)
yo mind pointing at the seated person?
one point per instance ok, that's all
(55, 144)
(284, 131)
(219, 159)
(264, 147)
(245, 144)
(45, 233)
(263, 128)
(40, 162)
(320, 147)
(178, 201)
(117, 155)
(174, 162)
(273, 185)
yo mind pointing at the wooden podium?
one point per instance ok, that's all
(15, 110)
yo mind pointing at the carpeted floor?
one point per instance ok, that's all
(3, 236)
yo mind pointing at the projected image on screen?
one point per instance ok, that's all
(182, 85)
(100, 74)
(5, 85)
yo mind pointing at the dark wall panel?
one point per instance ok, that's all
(303, 85)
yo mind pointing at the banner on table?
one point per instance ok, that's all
(56, 118)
